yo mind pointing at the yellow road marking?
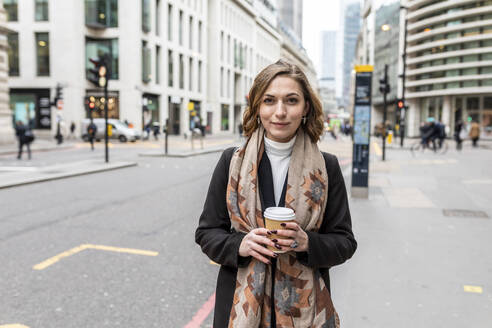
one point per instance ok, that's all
(123, 250)
(473, 289)
(75, 250)
(15, 325)
(211, 262)
(377, 149)
(56, 258)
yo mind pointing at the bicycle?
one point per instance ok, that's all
(436, 147)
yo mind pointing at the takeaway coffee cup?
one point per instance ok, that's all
(274, 216)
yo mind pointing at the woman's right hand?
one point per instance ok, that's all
(253, 244)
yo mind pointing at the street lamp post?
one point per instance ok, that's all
(404, 59)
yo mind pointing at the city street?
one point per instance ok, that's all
(117, 248)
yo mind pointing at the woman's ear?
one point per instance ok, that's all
(306, 109)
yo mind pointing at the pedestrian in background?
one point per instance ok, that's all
(72, 130)
(457, 134)
(279, 165)
(474, 133)
(91, 133)
(25, 137)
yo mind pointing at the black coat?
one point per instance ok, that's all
(333, 244)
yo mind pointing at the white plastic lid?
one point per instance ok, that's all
(279, 213)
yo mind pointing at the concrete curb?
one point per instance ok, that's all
(185, 154)
(77, 172)
(34, 150)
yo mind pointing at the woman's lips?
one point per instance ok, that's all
(280, 124)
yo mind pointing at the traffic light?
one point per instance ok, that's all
(384, 86)
(99, 73)
(400, 104)
(59, 92)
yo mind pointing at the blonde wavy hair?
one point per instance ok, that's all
(314, 122)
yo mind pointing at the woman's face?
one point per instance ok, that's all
(282, 108)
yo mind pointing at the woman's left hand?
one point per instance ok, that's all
(294, 233)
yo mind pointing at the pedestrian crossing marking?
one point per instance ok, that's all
(75, 250)
(15, 325)
(473, 289)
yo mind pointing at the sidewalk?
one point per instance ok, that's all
(37, 146)
(423, 257)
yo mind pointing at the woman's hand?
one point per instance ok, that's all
(294, 233)
(253, 244)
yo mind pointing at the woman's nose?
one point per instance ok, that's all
(280, 109)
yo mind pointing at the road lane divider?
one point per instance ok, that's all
(473, 289)
(202, 314)
(52, 260)
(377, 149)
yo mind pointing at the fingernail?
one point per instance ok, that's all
(275, 255)
(274, 240)
(269, 262)
(283, 224)
(269, 233)
(273, 231)
(278, 246)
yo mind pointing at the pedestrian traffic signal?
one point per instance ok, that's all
(400, 104)
(59, 92)
(384, 86)
(98, 74)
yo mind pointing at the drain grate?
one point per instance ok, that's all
(465, 213)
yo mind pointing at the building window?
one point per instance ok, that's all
(199, 76)
(222, 82)
(146, 16)
(190, 38)
(170, 68)
(170, 22)
(181, 72)
(97, 48)
(190, 75)
(157, 64)
(199, 36)
(101, 13)
(180, 27)
(221, 46)
(43, 54)
(158, 17)
(11, 9)
(146, 60)
(41, 10)
(13, 53)
(228, 49)
(224, 118)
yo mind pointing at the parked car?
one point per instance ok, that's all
(119, 129)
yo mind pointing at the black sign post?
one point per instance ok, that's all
(362, 128)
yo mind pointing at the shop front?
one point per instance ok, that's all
(174, 107)
(32, 107)
(150, 110)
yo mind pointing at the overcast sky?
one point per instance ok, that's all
(318, 15)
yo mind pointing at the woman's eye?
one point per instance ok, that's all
(292, 100)
(268, 100)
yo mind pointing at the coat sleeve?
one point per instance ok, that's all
(334, 243)
(214, 234)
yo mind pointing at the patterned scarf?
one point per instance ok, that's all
(300, 295)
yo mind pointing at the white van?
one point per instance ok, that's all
(119, 130)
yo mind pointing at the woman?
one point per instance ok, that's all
(280, 165)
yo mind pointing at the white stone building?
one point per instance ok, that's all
(171, 59)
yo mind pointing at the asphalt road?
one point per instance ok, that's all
(152, 207)
(415, 266)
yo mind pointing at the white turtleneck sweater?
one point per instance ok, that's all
(279, 156)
